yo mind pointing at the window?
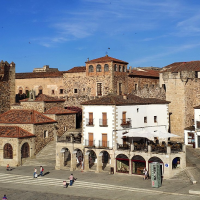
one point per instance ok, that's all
(40, 91)
(106, 68)
(123, 117)
(20, 91)
(90, 118)
(90, 137)
(45, 134)
(75, 90)
(120, 88)
(104, 119)
(135, 86)
(27, 92)
(99, 89)
(124, 69)
(52, 92)
(83, 89)
(120, 68)
(164, 87)
(155, 119)
(61, 91)
(115, 67)
(137, 109)
(98, 68)
(91, 68)
(7, 151)
(65, 128)
(145, 119)
(104, 140)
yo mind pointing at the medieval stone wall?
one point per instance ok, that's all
(38, 106)
(7, 86)
(49, 105)
(40, 141)
(139, 83)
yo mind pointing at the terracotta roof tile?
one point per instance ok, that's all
(182, 66)
(145, 73)
(45, 98)
(106, 59)
(59, 110)
(14, 132)
(39, 75)
(119, 100)
(77, 69)
(24, 117)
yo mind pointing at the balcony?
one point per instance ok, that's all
(103, 144)
(125, 123)
(89, 143)
(198, 124)
(103, 122)
(123, 146)
(89, 122)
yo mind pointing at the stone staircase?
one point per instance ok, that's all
(46, 157)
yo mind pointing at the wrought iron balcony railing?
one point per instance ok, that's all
(89, 122)
(103, 122)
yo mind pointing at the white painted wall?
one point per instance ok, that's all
(96, 129)
(137, 118)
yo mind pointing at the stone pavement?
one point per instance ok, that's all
(93, 185)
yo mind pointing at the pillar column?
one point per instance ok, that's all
(149, 149)
(130, 166)
(168, 150)
(86, 163)
(99, 164)
(73, 162)
(132, 147)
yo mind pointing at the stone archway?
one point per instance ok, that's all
(122, 164)
(25, 150)
(79, 158)
(157, 159)
(67, 157)
(176, 163)
(105, 159)
(138, 164)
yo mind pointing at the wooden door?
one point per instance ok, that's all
(25, 150)
(90, 118)
(124, 118)
(104, 116)
(104, 140)
(90, 136)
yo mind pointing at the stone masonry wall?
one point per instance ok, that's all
(49, 105)
(141, 83)
(40, 141)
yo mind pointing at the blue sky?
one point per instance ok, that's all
(64, 33)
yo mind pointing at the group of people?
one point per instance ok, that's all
(71, 181)
(35, 172)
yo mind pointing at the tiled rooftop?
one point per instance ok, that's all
(24, 117)
(14, 132)
(45, 98)
(120, 100)
(145, 72)
(39, 75)
(182, 66)
(106, 59)
(77, 69)
(59, 111)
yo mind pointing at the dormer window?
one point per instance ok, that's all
(91, 68)
(106, 68)
(98, 69)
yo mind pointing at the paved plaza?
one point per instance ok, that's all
(20, 184)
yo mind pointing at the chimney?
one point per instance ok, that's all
(130, 69)
(87, 59)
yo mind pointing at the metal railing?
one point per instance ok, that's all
(126, 122)
(90, 143)
(103, 122)
(90, 122)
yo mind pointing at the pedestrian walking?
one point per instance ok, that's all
(71, 179)
(41, 170)
(4, 197)
(35, 173)
(145, 173)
